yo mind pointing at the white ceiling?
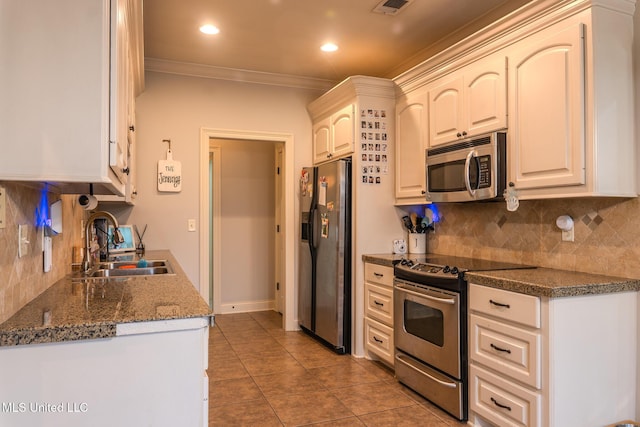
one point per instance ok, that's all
(283, 37)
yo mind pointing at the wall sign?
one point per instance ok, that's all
(169, 173)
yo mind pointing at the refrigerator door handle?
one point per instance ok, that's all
(313, 241)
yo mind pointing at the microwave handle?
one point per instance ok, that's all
(467, 177)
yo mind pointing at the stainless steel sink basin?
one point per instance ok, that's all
(131, 264)
(125, 269)
(128, 272)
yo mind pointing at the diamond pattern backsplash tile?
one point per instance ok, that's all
(607, 237)
(22, 279)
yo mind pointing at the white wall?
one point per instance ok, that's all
(247, 204)
(177, 107)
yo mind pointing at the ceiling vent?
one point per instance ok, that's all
(391, 7)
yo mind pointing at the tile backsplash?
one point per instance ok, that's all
(607, 238)
(22, 279)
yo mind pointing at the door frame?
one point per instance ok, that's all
(288, 223)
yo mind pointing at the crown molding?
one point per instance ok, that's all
(347, 90)
(236, 75)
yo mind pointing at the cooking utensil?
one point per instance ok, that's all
(414, 222)
(407, 223)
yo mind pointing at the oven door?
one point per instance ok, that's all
(427, 325)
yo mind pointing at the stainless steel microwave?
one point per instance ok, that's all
(468, 170)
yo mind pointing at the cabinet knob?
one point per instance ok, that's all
(125, 171)
(423, 192)
(458, 134)
(464, 133)
(132, 128)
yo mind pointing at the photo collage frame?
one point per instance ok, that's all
(374, 145)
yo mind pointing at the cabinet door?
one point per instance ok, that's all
(485, 95)
(321, 140)
(411, 132)
(342, 128)
(546, 109)
(120, 82)
(446, 110)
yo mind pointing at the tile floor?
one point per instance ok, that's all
(261, 375)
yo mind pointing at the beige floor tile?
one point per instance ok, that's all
(343, 422)
(261, 375)
(343, 375)
(412, 416)
(316, 357)
(235, 390)
(372, 397)
(379, 369)
(225, 369)
(308, 408)
(293, 381)
(254, 414)
(264, 365)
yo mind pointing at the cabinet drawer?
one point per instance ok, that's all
(379, 303)
(509, 350)
(379, 339)
(511, 306)
(378, 274)
(502, 402)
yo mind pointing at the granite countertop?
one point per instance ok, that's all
(89, 309)
(552, 283)
(542, 282)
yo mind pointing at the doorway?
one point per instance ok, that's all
(211, 263)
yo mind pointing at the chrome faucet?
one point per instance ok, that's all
(117, 235)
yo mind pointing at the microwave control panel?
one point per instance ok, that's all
(484, 171)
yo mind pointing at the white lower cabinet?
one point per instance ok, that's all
(378, 322)
(551, 362)
(502, 401)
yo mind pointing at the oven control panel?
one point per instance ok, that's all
(431, 269)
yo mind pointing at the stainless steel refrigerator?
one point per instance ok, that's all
(324, 304)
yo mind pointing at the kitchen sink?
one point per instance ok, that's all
(125, 269)
(128, 272)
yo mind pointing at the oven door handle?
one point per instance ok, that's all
(449, 301)
(442, 383)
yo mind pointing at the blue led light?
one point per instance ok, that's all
(42, 210)
(434, 210)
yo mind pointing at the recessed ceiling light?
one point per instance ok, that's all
(209, 29)
(329, 47)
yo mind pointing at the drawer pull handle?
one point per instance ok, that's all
(499, 405)
(378, 303)
(499, 304)
(504, 350)
(378, 274)
(377, 340)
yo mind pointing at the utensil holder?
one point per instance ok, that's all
(417, 243)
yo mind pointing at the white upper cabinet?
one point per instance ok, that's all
(333, 136)
(571, 108)
(65, 84)
(548, 123)
(469, 101)
(411, 136)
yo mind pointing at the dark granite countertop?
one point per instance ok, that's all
(542, 282)
(89, 309)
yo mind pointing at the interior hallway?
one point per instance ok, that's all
(260, 375)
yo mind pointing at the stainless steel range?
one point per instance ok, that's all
(430, 333)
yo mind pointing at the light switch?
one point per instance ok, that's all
(191, 225)
(3, 208)
(23, 240)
